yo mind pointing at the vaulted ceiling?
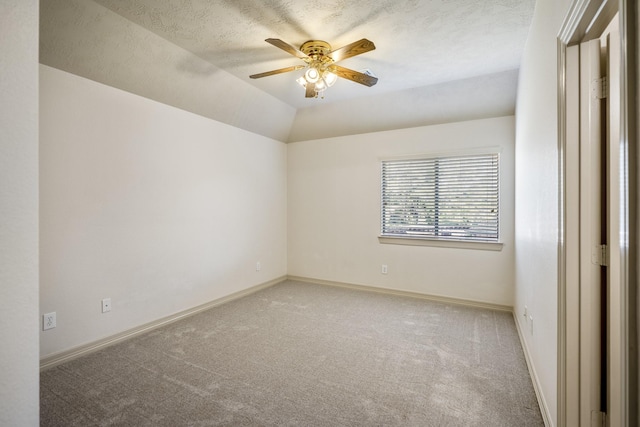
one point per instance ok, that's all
(198, 55)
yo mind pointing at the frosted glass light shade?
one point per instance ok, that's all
(329, 78)
(312, 75)
(320, 85)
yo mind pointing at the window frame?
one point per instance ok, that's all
(434, 241)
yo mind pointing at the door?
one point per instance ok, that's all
(614, 224)
(592, 235)
(600, 226)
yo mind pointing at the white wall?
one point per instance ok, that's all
(19, 213)
(537, 196)
(334, 214)
(155, 207)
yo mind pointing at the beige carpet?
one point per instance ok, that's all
(299, 354)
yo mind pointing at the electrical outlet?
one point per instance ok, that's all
(258, 266)
(48, 321)
(525, 312)
(106, 305)
(384, 269)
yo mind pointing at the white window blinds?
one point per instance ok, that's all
(450, 198)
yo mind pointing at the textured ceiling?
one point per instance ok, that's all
(437, 60)
(418, 42)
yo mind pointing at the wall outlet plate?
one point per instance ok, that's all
(106, 305)
(48, 321)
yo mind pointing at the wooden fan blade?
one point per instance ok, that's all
(280, 71)
(287, 48)
(353, 49)
(311, 90)
(354, 76)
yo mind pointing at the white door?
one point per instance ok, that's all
(592, 236)
(615, 318)
(599, 231)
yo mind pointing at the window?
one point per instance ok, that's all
(452, 198)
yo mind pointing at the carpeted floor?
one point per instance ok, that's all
(299, 354)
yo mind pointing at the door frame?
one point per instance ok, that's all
(587, 19)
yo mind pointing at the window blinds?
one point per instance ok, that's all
(453, 198)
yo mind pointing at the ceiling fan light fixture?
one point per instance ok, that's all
(329, 78)
(312, 75)
(321, 72)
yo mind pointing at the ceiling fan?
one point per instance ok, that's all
(322, 72)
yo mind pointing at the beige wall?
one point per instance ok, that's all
(537, 199)
(19, 213)
(157, 208)
(334, 214)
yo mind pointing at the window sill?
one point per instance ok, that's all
(421, 241)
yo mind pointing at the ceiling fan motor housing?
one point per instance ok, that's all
(316, 48)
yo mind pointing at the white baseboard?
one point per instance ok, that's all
(67, 355)
(537, 387)
(438, 298)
